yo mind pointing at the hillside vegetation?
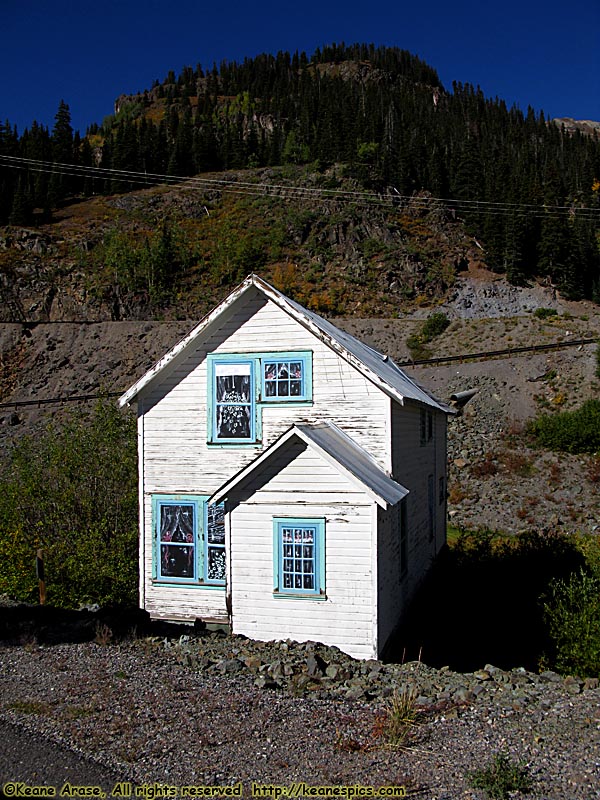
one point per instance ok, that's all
(528, 191)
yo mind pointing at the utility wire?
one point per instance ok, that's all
(408, 363)
(392, 197)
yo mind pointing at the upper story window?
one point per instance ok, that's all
(234, 399)
(426, 426)
(190, 540)
(239, 385)
(285, 377)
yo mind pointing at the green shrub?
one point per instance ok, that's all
(433, 326)
(570, 431)
(572, 614)
(544, 313)
(72, 492)
(501, 777)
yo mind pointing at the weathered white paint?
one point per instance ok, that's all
(173, 601)
(380, 370)
(367, 595)
(345, 617)
(336, 449)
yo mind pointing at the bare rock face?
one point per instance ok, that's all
(587, 126)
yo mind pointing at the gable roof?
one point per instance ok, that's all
(339, 450)
(378, 368)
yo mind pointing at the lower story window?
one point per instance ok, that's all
(190, 540)
(299, 556)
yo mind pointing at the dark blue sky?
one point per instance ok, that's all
(542, 53)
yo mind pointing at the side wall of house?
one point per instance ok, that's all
(392, 588)
(178, 460)
(302, 484)
(419, 463)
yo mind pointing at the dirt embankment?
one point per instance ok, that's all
(496, 480)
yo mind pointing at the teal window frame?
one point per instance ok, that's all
(200, 541)
(295, 551)
(214, 361)
(256, 364)
(305, 395)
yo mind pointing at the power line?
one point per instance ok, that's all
(507, 353)
(251, 188)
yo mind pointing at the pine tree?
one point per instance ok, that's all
(62, 150)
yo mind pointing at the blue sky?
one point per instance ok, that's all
(540, 53)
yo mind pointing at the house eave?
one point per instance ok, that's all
(302, 432)
(306, 319)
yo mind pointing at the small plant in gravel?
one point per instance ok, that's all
(501, 777)
(400, 717)
(516, 463)
(104, 634)
(30, 707)
(485, 468)
(593, 469)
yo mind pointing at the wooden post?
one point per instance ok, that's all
(39, 568)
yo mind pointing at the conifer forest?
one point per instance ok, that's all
(527, 189)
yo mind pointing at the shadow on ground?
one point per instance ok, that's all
(483, 603)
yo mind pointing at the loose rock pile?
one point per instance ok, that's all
(315, 669)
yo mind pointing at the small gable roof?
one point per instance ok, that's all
(375, 366)
(339, 450)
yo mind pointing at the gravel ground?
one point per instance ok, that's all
(142, 714)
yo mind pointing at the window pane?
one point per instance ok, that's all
(215, 532)
(233, 397)
(233, 422)
(298, 565)
(270, 372)
(283, 379)
(216, 564)
(233, 388)
(177, 561)
(177, 523)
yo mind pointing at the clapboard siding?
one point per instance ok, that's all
(413, 465)
(344, 619)
(365, 594)
(176, 602)
(175, 429)
(392, 589)
(178, 460)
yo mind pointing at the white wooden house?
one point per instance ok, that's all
(292, 480)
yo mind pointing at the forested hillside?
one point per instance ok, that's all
(528, 190)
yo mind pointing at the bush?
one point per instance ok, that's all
(433, 326)
(570, 431)
(544, 313)
(572, 614)
(72, 492)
